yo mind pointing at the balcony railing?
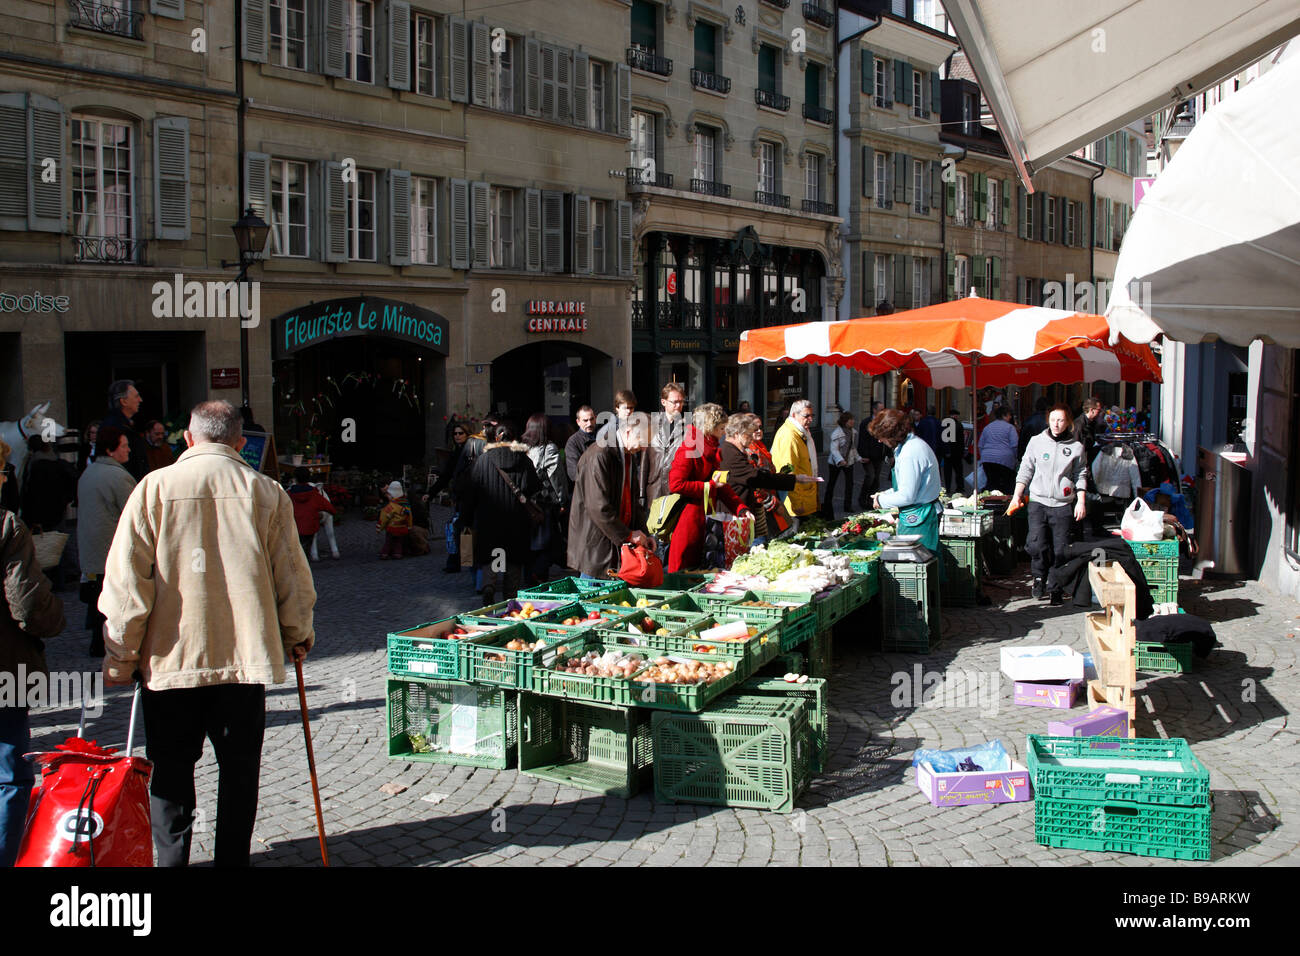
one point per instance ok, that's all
(772, 199)
(692, 315)
(109, 249)
(818, 114)
(709, 188)
(105, 18)
(668, 315)
(779, 315)
(636, 176)
(779, 4)
(744, 317)
(815, 13)
(640, 59)
(821, 208)
(772, 99)
(640, 320)
(704, 80)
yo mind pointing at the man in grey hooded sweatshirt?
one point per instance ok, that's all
(1054, 471)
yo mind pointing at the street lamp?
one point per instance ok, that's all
(250, 236)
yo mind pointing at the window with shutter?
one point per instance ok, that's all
(399, 217)
(460, 237)
(867, 172)
(287, 208)
(581, 250)
(552, 231)
(363, 216)
(625, 250)
(424, 55)
(480, 232)
(257, 196)
(533, 230)
(45, 202)
(424, 221)
(14, 161)
(881, 97)
(459, 57)
(599, 220)
(173, 9)
(501, 228)
(563, 85)
(334, 40)
(399, 44)
(547, 102)
(171, 156)
(881, 292)
(254, 40)
(481, 89)
(334, 205)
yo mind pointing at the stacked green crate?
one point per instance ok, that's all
(961, 569)
(589, 746)
(452, 722)
(813, 693)
(1159, 563)
(910, 592)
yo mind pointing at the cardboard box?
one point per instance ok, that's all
(962, 789)
(1099, 722)
(1048, 693)
(1050, 662)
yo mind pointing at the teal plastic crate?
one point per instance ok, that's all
(813, 693)
(1164, 658)
(1168, 548)
(574, 588)
(819, 654)
(453, 722)
(489, 661)
(588, 687)
(1176, 833)
(797, 621)
(750, 751)
(688, 697)
(910, 593)
(552, 609)
(1118, 770)
(607, 750)
(961, 567)
(424, 651)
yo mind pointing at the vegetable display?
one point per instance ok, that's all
(773, 560)
(665, 670)
(608, 664)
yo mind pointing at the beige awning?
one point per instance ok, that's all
(1059, 74)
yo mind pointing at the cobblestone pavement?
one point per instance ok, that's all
(1233, 709)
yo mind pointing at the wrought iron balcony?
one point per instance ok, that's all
(710, 188)
(821, 208)
(779, 315)
(703, 80)
(105, 18)
(636, 176)
(110, 249)
(668, 315)
(692, 315)
(779, 4)
(640, 320)
(818, 114)
(640, 59)
(772, 99)
(816, 13)
(772, 199)
(744, 317)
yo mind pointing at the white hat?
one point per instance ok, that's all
(395, 490)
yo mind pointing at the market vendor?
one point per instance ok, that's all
(915, 480)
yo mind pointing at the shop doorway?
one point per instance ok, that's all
(554, 378)
(169, 369)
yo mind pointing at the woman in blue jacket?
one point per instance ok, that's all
(915, 480)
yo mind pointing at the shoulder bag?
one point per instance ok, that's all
(535, 514)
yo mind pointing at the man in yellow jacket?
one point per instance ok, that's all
(793, 446)
(206, 591)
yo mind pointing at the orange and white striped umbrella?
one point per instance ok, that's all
(1006, 343)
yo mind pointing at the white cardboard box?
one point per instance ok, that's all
(1049, 662)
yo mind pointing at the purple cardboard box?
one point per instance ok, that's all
(1100, 722)
(1048, 693)
(961, 789)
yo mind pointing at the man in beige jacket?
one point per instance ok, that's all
(206, 590)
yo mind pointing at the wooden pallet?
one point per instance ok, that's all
(1100, 695)
(1112, 640)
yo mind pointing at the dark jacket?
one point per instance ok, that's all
(451, 474)
(743, 476)
(494, 512)
(578, 443)
(595, 531)
(930, 431)
(1072, 577)
(1034, 424)
(138, 464)
(868, 446)
(31, 610)
(308, 503)
(48, 487)
(956, 448)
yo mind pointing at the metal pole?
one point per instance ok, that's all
(974, 415)
(243, 332)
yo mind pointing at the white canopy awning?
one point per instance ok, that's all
(1058, 74)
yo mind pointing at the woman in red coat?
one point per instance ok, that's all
(690, 475)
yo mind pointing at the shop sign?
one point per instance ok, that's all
(685, 345)
(560, 323)
(224, 377)
(346, 318)
(548, 315)
(33, 302)
(549, 307)
(732, 343)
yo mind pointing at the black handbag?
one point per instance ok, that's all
(536, 516)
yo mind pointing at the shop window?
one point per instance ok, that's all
(722, 304)
(361, 216)
(424, 221)
(359, 33)
(289, 208)
(424, 54)
(692, 298)
(103, 176)
(288, 33)
(501, 230)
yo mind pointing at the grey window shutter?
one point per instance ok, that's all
(623, 214)
(480, 201)
(533, 230)
(936, 94)
(459, 224)
(1061, 203)
(458, 68)
(399, 45)
(255, 33)
(1006, 201)
(257, 188)
(937, 291)
(399, 217)
(903, 82)
(623, 79)
(926, 87)
(868, 73)
(171, 168)
(481, 57)
(334, 213)
(581, 89)
(548, 81)
(334, 61)
(582, 235)
(1022, 289)
(902, 283)
(950, 287)
(1043, 200)
(925, 189)
(174, 9)
(552, 231)
(1022, 225)
(532, 76)
(901, 184)
(45, 203)
(937, 192)
(15, 161)
(868, 171)
(563, 85)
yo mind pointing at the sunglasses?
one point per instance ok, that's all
(458, 432)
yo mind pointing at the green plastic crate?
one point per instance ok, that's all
(489, 661)
(604, 749)
(787, 662)
(1177, 833)
(688, 697)
(1164, 658)
(422, 651)
(761, 647)
(751, 751)
(599, 690)
(1118, 770)
(658, 598)
(813, 693)
(466, 724)
(797, 621)
(961, 568)
(819, 655)
(1151, 549)
(708, 603)
(552, 610)
(912, 619)
(687, 580)
(576, 588)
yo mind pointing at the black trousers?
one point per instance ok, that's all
(233, 717)
(828, 505)
(954, 476)
(1049, 535)
(870, 481)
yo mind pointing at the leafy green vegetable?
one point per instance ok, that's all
(774, 560)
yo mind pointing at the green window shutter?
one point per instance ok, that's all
(902, 283)
(334, 38)
(868, 73)
(952, 200)
(936, 94)
(995, 265)
(868, 171)
(644, 25)
(902, 82)
(533, 230)
(171, 167)
(581, 89)
(257, 188)
(767, 68)
(334, 219)
(173, 9)
(623, 215)
(705, 47)
(458, 69)
(812, 85)
(255, 34)
(459, 224)
(950, 285)
(399, 217)
(1006, 201)
(866, 262)
(14, 161)
(46, 211)
(900, 178)
(977, 273)
(480, 63)
(936, 185)
(399, 47)
(1044, 201)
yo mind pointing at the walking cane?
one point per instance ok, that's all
(311, 763)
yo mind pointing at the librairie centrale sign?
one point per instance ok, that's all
(360, 316)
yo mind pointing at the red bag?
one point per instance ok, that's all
(91, 808)
(738, 536)
(640, 567)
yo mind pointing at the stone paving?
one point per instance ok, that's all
(865, 809)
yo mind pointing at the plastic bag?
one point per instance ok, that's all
(737, 537)
(989, 757)
(984, 481)
(1141, 522)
